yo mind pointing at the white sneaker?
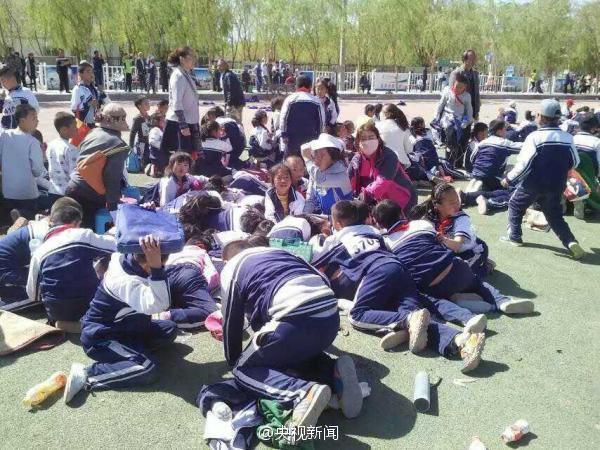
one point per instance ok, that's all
(351, 398)
(307, 412)
(345, 305)
(418, 323)
(75, 382)
(576, 251)
(510, 305)
(482, 207)
(470, 351)
(476, 324)
(393, 339)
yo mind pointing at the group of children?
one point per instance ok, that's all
(126, 302)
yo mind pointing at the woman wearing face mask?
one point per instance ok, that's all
(376, 173)
(328, 180)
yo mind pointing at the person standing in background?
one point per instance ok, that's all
(151, 75)
(62, 69)
(468, 70)
(98, 63)
(232, 90)
(163, 71)
(140, 68)
(128, 69)
(31, 71)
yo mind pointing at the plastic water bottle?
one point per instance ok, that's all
(40, 392)
(476, 444)
(515, 432)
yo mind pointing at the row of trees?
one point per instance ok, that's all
(549, 35)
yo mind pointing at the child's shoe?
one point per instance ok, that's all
(576, 251)
(482, 206)
(75, 382)
(476, 324)
(508, 240)
(393, 339)
(307, 412)
(471, 348)
(350, 397)
(418, 323)
(68, 326)
(511, 305)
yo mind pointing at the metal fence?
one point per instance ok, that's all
(395, 82)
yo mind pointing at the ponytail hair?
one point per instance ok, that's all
(426, 209)
(180, 52)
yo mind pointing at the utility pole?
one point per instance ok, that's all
(342, 62)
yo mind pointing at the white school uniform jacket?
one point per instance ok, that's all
(17, 96)
(62, 162)
(396, 139)
(81, 99)
(587, 143)
(274, 208)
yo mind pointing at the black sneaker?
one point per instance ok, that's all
(508, 240)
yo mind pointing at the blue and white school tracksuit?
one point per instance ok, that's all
(62, 274)
(235, 133)
(473, 250)
(590, 145)
(81, 103)
(191, 303)
(360, 267)
(541, 175)
(117, 330)
(15, 257)
(293, 313)
(249, 183)
(291, 228)
(489, 160)
(226, 219)
(274, 209)
(302, 120)
(13, 98)
(416, 246)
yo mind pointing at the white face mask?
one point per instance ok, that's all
(369, 147)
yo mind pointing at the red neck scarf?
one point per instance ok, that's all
(453, 90)
(303, 89)
(444, 224)
(402, 225)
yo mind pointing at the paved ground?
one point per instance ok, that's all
(543, 368)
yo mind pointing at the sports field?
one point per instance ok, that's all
(543, 368)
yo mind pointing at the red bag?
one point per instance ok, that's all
(576, 189)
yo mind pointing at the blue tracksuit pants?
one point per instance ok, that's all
(285, 358)
(386, 297)
(550, 206)
(127, 362)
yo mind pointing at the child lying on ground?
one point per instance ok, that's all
(359, 266)
(435, 269)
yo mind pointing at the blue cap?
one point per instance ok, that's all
(550, 108)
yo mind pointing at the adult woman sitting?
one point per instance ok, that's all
(328, 180)
(182, 130)
(375, 172)
(106, 137)
(395, 132)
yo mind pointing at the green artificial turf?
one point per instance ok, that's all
(543, 368)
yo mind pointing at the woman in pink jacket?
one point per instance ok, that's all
(376, 173)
